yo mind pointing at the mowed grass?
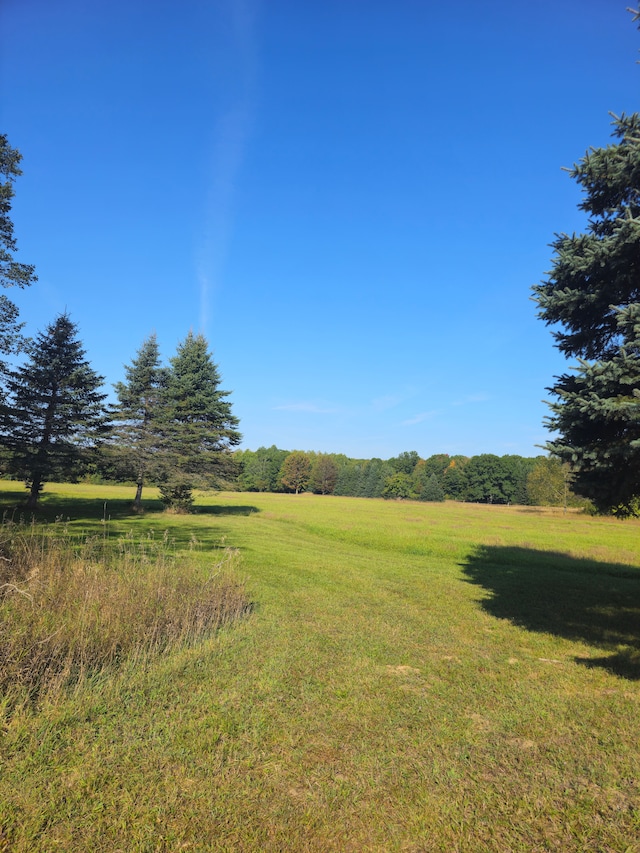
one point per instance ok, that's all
(412, 677)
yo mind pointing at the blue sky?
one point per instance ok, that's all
(350, 199)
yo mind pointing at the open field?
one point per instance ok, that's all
(412, 677)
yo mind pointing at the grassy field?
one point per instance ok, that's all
(411, 677)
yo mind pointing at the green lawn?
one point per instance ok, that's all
(412, 677)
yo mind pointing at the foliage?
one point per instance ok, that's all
(432, 490)
(12, 273)
(295, 472)
(454, 480)
(592, 294)
(405, 462)
(437, 464)
(138, 414)
(398, 486)
(549, 483)
(259, 469)
(198, 429)
(324, 474)
(426, 469)
(497, 479)
(56, 414)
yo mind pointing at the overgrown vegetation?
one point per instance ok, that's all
(71, 609)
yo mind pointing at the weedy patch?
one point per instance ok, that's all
(72, 609)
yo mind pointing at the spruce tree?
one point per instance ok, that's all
(12, 273)
(56, 414)
(137, 434)
(197, 426)
(593, 294)
(432, 490)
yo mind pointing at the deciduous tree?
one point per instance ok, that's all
(548, 483)
(324, 474)
(296, 471)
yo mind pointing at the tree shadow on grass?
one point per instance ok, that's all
(226, 509)
(578, 599)
(53, 506)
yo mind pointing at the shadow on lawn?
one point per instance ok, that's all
(95, 517)
(578, 599)
(53, 506)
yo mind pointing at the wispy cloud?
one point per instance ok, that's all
(230, 139)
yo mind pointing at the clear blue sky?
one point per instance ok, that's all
(350, 199)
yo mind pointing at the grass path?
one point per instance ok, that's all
(413, 677)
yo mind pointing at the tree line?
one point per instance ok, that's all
(485, 478)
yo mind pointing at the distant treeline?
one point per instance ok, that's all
(486, 478)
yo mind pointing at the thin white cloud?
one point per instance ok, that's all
(231, 137)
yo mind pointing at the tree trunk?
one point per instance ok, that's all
(34, 493)
(137, 503)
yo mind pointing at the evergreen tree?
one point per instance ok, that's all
(12, 273)
(197, 426)
(56, 412)
(593, 293)
(349, 473)
(375, 475)
(432, 490)
(138, 413)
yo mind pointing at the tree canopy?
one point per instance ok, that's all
(56, 413)
(138, 413)
(12, 273)
(198, 428)
(592, 298)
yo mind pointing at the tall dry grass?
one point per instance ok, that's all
(70, 610)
